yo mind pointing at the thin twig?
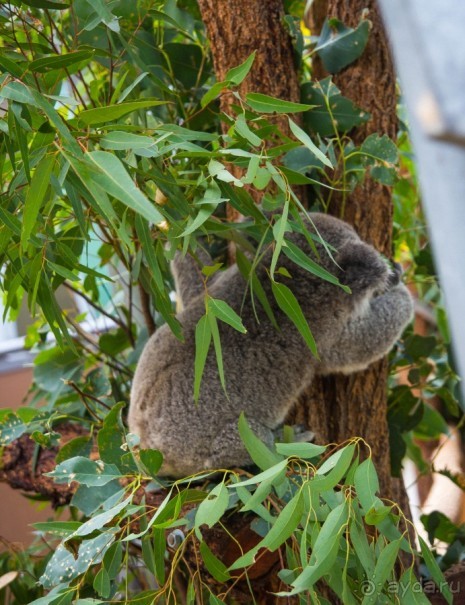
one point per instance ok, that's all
(90, 302)
(145, 303)
(92, 397)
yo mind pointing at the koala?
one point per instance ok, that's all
(266, 369)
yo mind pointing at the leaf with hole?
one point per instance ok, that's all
(339, 46)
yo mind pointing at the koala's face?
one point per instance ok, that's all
(355, 263)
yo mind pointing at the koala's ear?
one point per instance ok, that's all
(361, 267)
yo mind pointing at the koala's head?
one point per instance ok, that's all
(355, 263)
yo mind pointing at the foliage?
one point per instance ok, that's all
(121, 543)
(112, 158)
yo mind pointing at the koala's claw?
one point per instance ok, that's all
(396, 274)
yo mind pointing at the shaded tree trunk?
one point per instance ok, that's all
(338, 407)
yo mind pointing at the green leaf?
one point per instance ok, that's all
(301, 450)
(104, 16)
(203, 336)
(112, 560)
(100, 115)
(366, 484)
(266, 104)
(383, 569)
(338, 45)
(85, 471)
(381, 156)
(102, 583)
(324, 551)
(332, 112)
(361, 546)
(204, 213)
(279, 229)
(11, 428)
(221, 310)
(309, 144)
(213, 92)
(300, 258)
(152, 461)
(289, 304)
(245, 267)
(110, 437)
(80, 446)
(119, 140)
(113, 178)
(261, 454)
(214, 566)
(64, 566)
(217, 344)
(98, 521)
(377, 513)
(212, 508)
(48, 4)
(35, 196)
(57, 528)
(242, 128)
(147, 243)
(283, 527)
(269, 474)
(236, 75)
(60, 61)
(435, 571)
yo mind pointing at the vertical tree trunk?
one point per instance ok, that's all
(236, 29)
(341, 406)
(337, 407)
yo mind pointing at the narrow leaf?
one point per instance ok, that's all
(289, 304)
(114, 179)
(203, 336)
(35, 196)
(266, 104)
(309, 144)
(223, 311)
(261, 454)
(237, 74)
(99, 115)
(215, 567)
(218, 351)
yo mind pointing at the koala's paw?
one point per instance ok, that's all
(395, 274)
(301, 434)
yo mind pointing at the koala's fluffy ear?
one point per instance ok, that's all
(362, 268)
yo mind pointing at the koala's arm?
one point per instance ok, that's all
(188, 277)
(370, 335)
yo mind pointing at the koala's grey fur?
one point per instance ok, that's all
(265, 369)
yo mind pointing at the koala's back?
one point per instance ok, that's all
(163, 412)
(266, 368)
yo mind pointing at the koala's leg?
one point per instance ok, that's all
(371, 335)
(228, 450)
(188, 277)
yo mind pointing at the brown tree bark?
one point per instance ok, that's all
(338, 407)
(236, 29)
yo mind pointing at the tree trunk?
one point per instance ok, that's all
(337, 407)
(238, 28)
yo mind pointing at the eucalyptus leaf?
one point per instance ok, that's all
(266, 104)
(339, 46)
